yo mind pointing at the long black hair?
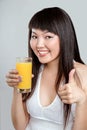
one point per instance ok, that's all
(57, 21)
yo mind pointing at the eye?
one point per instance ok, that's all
(34, 37)
(48, 37)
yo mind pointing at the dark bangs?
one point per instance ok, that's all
(45, 20)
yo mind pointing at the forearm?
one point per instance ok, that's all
(19, 116)
(80, 122)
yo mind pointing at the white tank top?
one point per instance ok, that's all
(49, 117)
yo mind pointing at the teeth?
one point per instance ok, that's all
(42, 52)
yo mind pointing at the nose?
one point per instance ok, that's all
(40, 42)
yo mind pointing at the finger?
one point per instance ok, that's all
(67, 99)
(12, 76)
(13, 71)
(71, 76)
(66, 86)
(62, 93)
(13, 84)
(62, 88)
(32, 75)
(12, 80)
(65, 92)
(67, 96)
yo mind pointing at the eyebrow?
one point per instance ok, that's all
(33, 32)
(46, 31)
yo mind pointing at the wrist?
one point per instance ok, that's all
(15, 92)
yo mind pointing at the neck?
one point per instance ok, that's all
(52, 67)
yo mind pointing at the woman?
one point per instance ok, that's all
(58, 100)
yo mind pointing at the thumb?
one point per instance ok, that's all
(71, 76)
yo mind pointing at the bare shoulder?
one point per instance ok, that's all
(81, 72)
(81, 69)
(80, 66)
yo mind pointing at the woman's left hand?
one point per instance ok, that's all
(71, 92)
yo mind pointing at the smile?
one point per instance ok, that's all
(42, 52)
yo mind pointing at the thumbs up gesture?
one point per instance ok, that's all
(71, 92)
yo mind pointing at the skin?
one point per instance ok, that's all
(20, 117)
(71, 93)
(43, 44)
(46, 46)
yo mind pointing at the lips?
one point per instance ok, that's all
(42, 52)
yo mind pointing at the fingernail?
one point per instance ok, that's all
(20, 78)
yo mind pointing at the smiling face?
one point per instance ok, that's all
(45, 45)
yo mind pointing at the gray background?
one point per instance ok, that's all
(14, 17)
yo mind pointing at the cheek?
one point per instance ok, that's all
(56, 53)
(57, 49)
(56, 46)
(32, 45)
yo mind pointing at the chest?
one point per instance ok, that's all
(53, 111)
(47, 91)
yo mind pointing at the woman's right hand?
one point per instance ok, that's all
(13, 78)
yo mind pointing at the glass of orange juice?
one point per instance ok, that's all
(24, 67)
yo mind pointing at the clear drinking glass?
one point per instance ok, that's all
(24, 67)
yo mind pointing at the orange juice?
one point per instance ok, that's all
(25, 71)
